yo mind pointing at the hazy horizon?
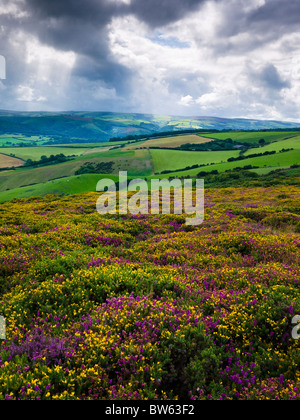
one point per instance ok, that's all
(84, 111)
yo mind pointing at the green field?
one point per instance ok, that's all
(139, 161)
(280, 160)
(292, 143)
(69, 185)
(171, 142)
(35, 153)
(253, 137)
(9, 140)
(175, 159)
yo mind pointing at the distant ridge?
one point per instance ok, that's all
(101, 126)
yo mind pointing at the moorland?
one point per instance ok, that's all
(145, 307)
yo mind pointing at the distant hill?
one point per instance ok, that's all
(71, 127)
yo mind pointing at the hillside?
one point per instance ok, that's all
(54, 128)
(83, 164)
(145, 307)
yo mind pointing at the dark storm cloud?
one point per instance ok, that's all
(107, 62)
(262, 25)
(278, 13)
(270, 78)
(81, 26)
(52, 15)
(72, 24)
(153, 12)
(161, 12)
(87, 10)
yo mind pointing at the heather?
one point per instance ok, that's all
(145, 307)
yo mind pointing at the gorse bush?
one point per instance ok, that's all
(145, 307)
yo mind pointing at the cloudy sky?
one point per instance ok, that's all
(228, 58)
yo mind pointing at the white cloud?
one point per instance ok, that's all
(14, 8)
(187, 100)
(228, 58)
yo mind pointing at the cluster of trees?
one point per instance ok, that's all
(51, 160)
(160, 134)
(216, 145)
(187, 168)
(95, 168)
(253, 155)
(22, 144)
(285, 150)
(7, 169)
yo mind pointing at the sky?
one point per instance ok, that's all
(222, 58)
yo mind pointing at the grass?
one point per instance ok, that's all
(69, 185)
(280, 160)
(176, 159)
(292, 143)
(35, 153)
(29, 176)
(174, 141)
(253, 137)
(7, 140)
(137, 163)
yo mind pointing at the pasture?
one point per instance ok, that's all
(10, 162)
(35, 153)
(173, 141)
(277, 161)
(139, 161)
(254, 137)
(177, 159)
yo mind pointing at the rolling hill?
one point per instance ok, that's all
(71, 127)
(87, 163)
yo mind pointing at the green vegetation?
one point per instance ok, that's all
(217, 145)
(19, 140)
(118, 307)
(245, 177)
(270, 151)
(278, 160)
(254, 137)
(111, 307)
(89, 127)
(45, 161)
(175, 159)
(35, 153)
(95, 168)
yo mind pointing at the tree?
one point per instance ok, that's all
(28, 162)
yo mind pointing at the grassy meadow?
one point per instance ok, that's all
(176, 159)
(144, 159)
(254, 137)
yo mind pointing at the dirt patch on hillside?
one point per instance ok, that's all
(10, 162)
